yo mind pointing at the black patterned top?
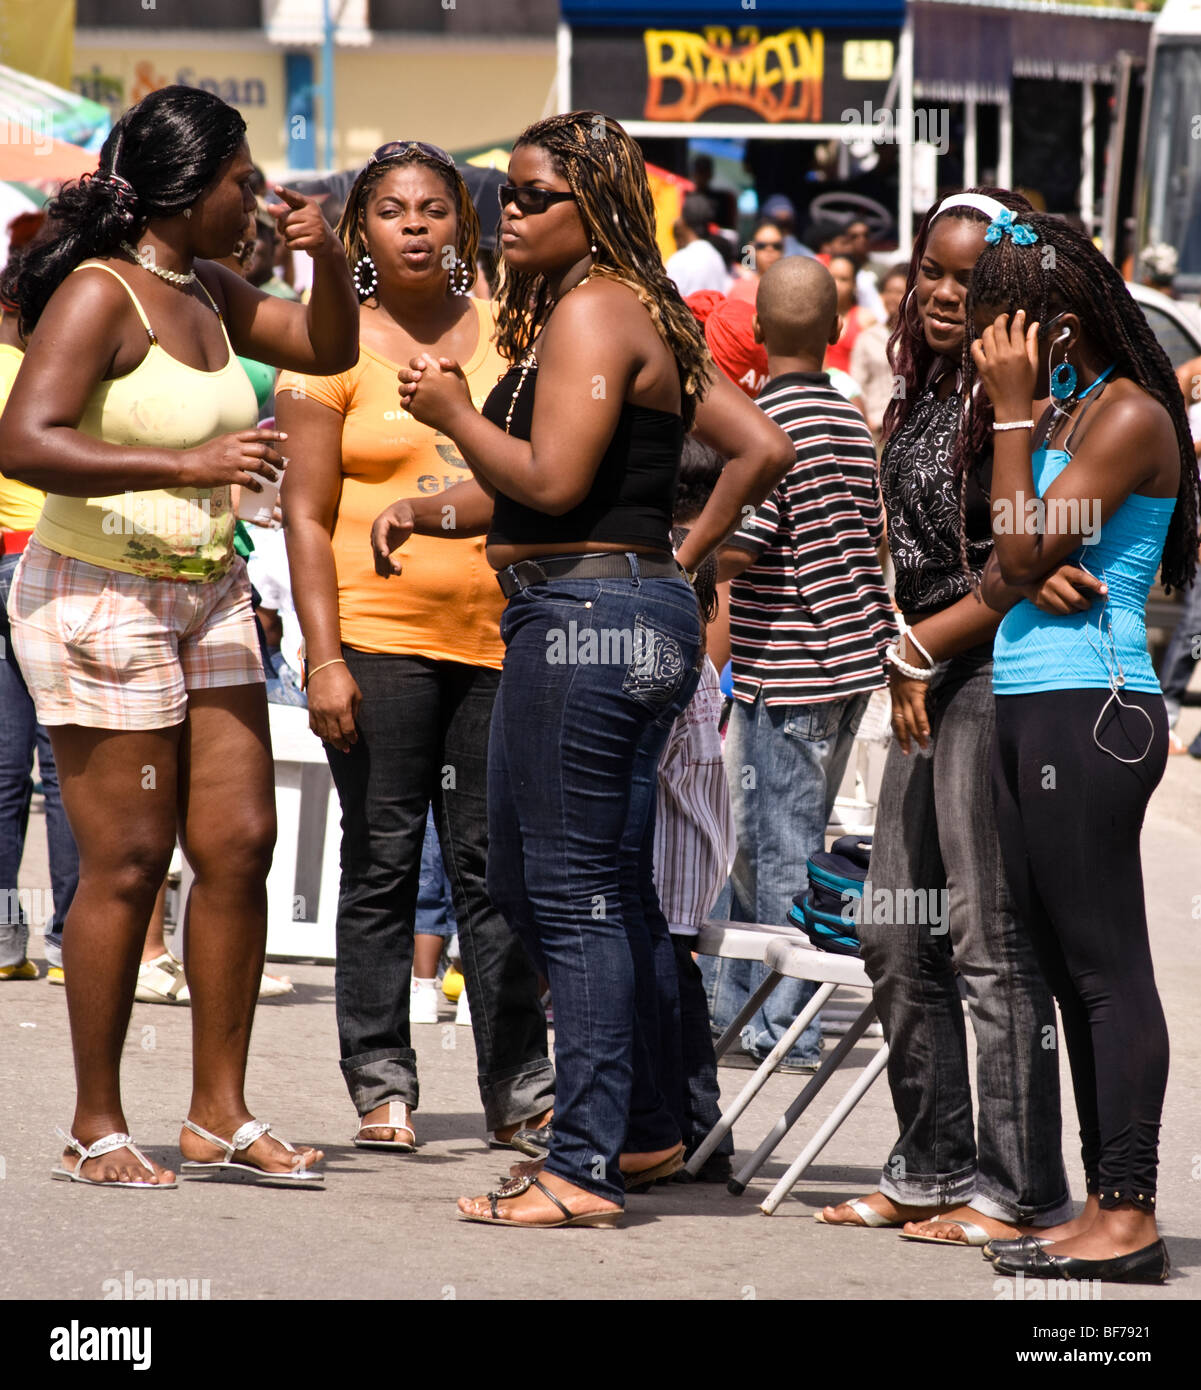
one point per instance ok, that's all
(921, 500)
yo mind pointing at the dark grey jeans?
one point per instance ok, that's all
(935, 847)
(423, 737)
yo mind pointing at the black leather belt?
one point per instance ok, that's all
(616, 565)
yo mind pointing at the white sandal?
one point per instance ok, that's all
(400, 1146)
(161, 981)
(226, 1170)
(974, 1235)
(867, 1214)
(109, 1144)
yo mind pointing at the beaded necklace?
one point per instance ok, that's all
(530, 361)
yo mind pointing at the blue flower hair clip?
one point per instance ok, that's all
(1005, 222)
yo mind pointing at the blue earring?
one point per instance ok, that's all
(1063, 381)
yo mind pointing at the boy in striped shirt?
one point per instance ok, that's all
(810, 618)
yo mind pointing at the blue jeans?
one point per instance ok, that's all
(577, 732)
(435, 909)
(785, 764)
(20, 733)
(936, 832)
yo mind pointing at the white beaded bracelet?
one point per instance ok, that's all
(1013, 425)
(916, 673)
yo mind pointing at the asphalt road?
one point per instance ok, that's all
(385, 1226)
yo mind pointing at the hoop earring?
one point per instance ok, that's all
(1063, 381)
(462, 281)
(367, 266)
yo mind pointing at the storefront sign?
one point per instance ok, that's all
(798, 75)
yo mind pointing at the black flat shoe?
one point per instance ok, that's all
(996, 1248)
(533, 1142)
(1150, 1265)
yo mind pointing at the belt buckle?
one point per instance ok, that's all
(520, 575)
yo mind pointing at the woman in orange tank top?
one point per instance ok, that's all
(131, 614)
(404, 667)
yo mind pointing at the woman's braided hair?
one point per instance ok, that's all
(912, 358)
(604, 168)
(1064, 272)
(350, 224)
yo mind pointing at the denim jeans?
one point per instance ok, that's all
(702, 1093)
(595, 672)
(1184, 650)
(20, 733)
(435, 907)
(423, 736)
(785, 764)
(936, 829)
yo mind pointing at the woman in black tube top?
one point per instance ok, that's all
(575, 458)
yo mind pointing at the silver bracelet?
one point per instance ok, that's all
(1013, 425)
(916, 673)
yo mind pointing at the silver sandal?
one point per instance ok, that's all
(109, 1144)
(227, 1170)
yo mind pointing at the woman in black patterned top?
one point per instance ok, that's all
(940, 905)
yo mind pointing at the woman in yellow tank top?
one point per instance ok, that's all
(130, 612)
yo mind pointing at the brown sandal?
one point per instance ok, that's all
(515, 1187)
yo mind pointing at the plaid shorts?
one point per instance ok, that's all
(110, 650)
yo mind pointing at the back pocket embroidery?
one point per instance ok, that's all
(657, 669)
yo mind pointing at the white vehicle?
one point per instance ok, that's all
(1169, 183)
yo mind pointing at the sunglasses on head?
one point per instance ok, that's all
(530, 200)
(398, 147)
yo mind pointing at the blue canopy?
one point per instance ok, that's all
(767, 14)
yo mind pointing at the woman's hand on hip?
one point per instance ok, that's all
(334, 700)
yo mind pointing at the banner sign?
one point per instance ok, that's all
(798, 75)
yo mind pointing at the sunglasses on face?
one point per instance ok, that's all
(530, 200)
(398, 147)
(768, 245)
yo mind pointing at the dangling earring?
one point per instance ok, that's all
(187, 212)
(595, 249)
(462, 281)
(367, 266)
(1063, 381)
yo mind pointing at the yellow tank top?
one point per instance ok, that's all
(168, 533)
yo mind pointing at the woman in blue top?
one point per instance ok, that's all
(1100, 475)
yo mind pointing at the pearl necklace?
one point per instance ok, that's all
(172, 277)
(529, 362)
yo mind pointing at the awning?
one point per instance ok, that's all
(766, 14)
(45, 111)
(964, 51)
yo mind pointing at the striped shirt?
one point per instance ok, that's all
(694, 824)
(810, 617)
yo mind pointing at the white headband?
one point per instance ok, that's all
(980, 201)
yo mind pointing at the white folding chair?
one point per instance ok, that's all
(797, 959)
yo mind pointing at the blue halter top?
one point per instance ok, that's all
(1107, 643)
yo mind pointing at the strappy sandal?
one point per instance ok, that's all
(400, 1146)
(516, 1186)
(109, 1144)
(643, 1179)
(974, 1235)
(867, 1214)
(227, 1170)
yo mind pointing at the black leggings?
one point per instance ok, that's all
(1068, 818)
